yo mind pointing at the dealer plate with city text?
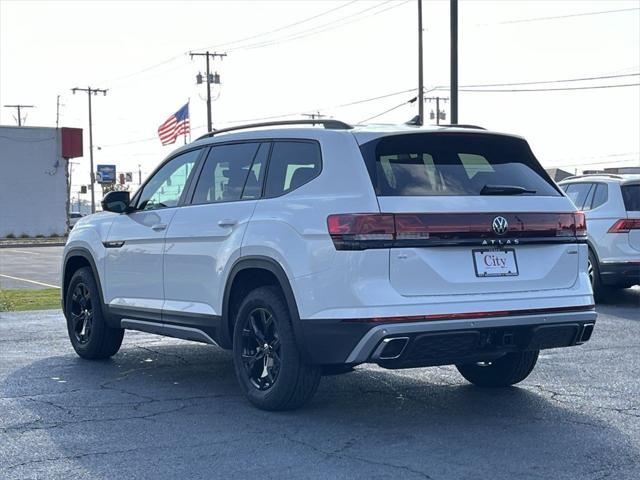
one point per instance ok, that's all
(495, 263)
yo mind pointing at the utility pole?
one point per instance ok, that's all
(420, 73)
(19, 108)
(91, 91)
(211, 78)
(71, 164)
(139, 174)
(437, 116)
(313, 116)
(454, 61)
(57, 111)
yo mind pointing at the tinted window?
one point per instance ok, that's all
(600, 196)
(452, 164)
(225, 172)
(167, 184)
(631, 197)
(578, 193)
(292, 164)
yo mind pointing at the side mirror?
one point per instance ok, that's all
(117, 202)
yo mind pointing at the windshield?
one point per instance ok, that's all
(454, 164)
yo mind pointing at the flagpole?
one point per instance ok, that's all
(189, 111)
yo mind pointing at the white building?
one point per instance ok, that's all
(34, 191)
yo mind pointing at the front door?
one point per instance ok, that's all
(135, 243)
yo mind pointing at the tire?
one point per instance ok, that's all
(600, 291)
(503, 372)
(272, 374)
(88, 331)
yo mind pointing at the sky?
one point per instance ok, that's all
(287, 58)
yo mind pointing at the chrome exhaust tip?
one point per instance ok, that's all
(585, 333)
(390, 348)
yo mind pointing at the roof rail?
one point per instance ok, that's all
(462, 125)
(610, 175)
(328, 124)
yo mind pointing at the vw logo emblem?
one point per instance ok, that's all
(500, 225)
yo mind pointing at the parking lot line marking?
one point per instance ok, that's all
(30, 281)
(23, 251)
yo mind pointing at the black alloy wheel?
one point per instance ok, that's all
(81, 310)
(261, 349)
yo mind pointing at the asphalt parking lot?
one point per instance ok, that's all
(30, 267)
(166, 408)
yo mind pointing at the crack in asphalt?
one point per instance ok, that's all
(78, 456)
(556, 396)
(340, 453)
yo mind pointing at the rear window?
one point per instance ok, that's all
(631, 197)
(453, 164)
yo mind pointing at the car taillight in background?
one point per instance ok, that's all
(624, 225)
(360, 231)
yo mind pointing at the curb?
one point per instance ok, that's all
(31, 245)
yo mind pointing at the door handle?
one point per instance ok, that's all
(158, 227)
(227, 222)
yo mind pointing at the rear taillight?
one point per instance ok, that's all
(580, 224)
(355, 231)
(624, 225)
(359, 231)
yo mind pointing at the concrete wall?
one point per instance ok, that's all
(33, 182)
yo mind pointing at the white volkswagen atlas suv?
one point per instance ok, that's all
(309, 250)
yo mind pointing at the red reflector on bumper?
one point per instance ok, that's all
(472, 315)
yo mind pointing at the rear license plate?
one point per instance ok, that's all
(495, 263)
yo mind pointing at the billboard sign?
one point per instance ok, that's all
(106, 174)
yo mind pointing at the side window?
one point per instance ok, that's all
(226, 171)
(600, 196)
(165, 188)
(578, 193)
(292, 164)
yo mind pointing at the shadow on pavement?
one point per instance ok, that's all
(159, 410)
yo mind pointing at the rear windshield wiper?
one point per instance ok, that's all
(504, 190)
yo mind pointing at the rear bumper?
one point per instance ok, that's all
(617, 273)
(442, 342)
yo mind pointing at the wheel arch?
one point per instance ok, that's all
(271, 267)
(76, 258)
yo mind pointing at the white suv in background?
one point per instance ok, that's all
(612, 207)
(312, 250)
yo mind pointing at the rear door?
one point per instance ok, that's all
(204, 237)
(474, 213)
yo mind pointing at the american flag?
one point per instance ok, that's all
(176, 124)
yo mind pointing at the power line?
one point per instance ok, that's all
(284, 27)
(286, 38)
(366, 100)
(571, 15)
(321, 28)
(412, 100)
(553, 81)
(560, 89)
(596, 163)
